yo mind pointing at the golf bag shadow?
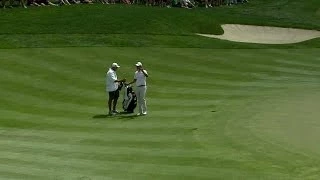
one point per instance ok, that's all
(129, 99)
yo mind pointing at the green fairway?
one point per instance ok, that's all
(216, 109)
(212, 114)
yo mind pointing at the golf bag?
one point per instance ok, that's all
(120, 85)
(130, 99)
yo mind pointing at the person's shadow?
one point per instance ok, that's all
(99, 116)
(121, 115)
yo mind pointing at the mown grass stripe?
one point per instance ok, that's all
(12, 175)
(283, 80)
(96, 148)
(258, 67)
(224, 60)
(124, 166)
(55, 106)
(252, 80)
(194, 92)
(241, 76)
(287, 70)
(87, 173)
(194, 74)
(302, 64)
(130, 121)
(142, 159)
(13, 78)
(34, 70)
(206, 162)
(39, 102)
(62, 173)
(120, 142)
(93, 127)
(60, 111)
(53, 97)
(170, 150)
(181, 102)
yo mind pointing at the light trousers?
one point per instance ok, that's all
(141, 98)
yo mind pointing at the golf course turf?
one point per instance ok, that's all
(216, 109)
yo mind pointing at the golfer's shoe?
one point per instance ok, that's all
(111, 113)
(142, 114)
(115, 111)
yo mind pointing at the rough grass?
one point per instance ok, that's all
(136, 26)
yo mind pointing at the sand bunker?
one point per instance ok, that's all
(264, 34)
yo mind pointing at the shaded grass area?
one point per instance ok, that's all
(97, 19)
(282, 13)
(154, 20)
(139, 26)
(133, 40)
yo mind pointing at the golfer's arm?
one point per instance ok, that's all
(122, 80)
(145, 73)
(132, 81)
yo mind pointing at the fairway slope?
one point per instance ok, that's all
(264, 34)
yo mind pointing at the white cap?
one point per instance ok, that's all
(115, 65)
(139, 64)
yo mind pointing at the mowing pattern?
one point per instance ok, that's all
(208, 115)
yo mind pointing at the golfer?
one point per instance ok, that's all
(112, 88)
(140, 77)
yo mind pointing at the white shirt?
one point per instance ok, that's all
(141, 78)
(110, 78)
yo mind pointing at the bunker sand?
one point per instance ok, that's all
(264, 34)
